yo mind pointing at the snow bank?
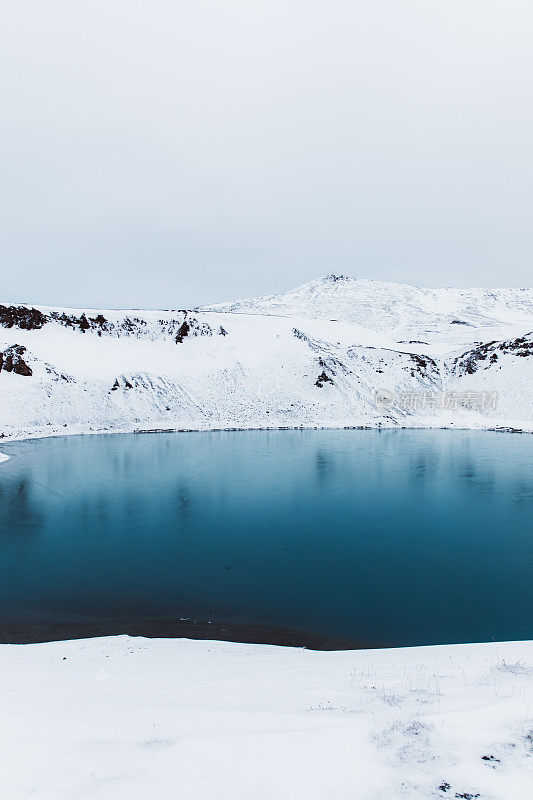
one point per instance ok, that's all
(126, 718)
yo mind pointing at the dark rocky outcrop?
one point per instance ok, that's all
(126, 384)
(183, 332)
(178, 328)
(84, 323)
(22, 317)
(486, 355)
(322, 379)
(11, 361)
(423, 365)
(192, 327)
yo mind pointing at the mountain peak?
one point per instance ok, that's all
(337, 278)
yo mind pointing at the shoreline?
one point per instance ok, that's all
(56, 434)
(42, 632)
(49, 631)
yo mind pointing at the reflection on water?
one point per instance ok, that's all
(19, 513)
(377, 537)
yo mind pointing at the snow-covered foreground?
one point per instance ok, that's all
(324, 355)
(135, 718)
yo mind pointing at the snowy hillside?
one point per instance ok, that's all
(336, 352)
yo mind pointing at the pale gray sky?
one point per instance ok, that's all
(174, 152)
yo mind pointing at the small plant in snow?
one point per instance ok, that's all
(514, 668)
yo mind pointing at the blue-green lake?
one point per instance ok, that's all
(324, 537)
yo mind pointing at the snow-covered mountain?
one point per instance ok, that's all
(395, 308)
(336, 352)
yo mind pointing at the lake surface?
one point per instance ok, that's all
(327, 538)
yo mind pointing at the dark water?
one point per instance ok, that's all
(367, 538)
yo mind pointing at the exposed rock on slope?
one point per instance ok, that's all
(21, 317)
(486, 355)
(115, 324)
(11, 361)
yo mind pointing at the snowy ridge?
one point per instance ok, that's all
(391, 307)
(337, 352)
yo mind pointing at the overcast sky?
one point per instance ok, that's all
(171, 152)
